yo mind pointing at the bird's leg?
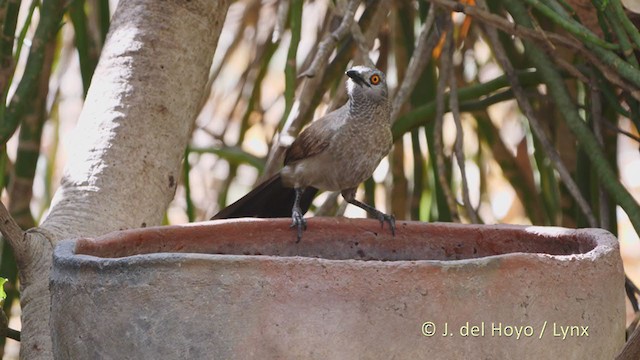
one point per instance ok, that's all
(297, 216)
(350, 196)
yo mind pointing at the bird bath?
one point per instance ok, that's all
(243, 288)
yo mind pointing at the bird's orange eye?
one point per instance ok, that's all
(375, 79)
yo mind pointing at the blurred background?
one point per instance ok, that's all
(494, 123)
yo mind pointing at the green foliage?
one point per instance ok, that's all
(3, 294)
(600, 4)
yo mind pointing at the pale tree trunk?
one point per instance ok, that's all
(126, 151)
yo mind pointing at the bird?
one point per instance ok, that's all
(336, 152)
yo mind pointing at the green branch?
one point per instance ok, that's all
(571, 26)
(9, 19)
(469, 97)
(84, 44)
(233, 155)
(51, 16)
(104, 18)
(569, 111)
(631, 29)
(186, 173)
(290, 70)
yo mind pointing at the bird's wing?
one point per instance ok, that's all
(316, 137)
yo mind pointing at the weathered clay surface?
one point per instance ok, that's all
(243, 289)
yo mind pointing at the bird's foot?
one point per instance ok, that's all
(298, 222)
(349, 196)
(388, 218)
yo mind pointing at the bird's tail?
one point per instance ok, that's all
(271, 199)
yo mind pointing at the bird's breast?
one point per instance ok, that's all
(359, 151)
(354, 152)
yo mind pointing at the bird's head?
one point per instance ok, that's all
(366, 83)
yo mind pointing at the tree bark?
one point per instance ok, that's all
(126, 151)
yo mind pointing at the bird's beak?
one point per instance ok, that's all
(357, 78)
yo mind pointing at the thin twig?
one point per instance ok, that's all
(313, 79)
(472, 97)
(536, 127)
(363, 44)
(419, 60)
(621, 35)
(608, 69)
(628, 25)
(329, 206)
(291, 67)
(438, 144)
(631, 289)
(616, 129)
(566, 106)
(229, 51)
(572, 26)
(319, 34)
(281, 16)
(633, 325)
(11, 231)
(459, 142)
(329, 43)
(596, 123)
(21, 102)
(631, 350)
(571, 69)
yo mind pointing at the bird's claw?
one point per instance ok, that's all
(298, 222)
(390, 219)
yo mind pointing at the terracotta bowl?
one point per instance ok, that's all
(238, 289)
